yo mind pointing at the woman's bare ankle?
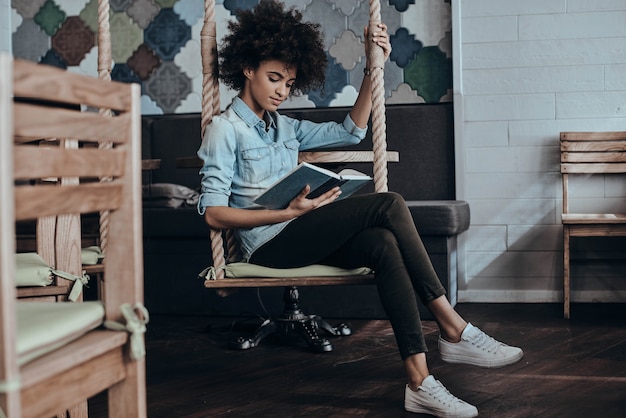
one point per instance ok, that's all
(416, 370)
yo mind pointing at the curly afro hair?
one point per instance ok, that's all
(269, 32)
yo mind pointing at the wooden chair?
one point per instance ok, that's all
(588, 153)
(54, 355)
(224, 274)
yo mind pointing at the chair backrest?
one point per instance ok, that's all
(51, 103)
(78, 161)
(591, 153)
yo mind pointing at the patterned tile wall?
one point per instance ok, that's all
(157, 43)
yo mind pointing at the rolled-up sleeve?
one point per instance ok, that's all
(218, 151)
(351, 127)
(328, 134)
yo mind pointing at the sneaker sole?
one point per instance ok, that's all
(421, 410)
(481, 363)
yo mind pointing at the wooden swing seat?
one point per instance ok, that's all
(292, 320)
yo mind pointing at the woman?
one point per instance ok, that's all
(269, 55)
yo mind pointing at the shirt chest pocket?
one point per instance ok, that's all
(291, 148)
(255, 164)
(292, 145)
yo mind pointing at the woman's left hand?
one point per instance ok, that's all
(380, 37)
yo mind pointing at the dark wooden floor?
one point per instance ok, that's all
(571, 368)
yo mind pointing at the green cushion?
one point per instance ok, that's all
(32, 270)
(91, 255)
(43, 327)
(241, 269)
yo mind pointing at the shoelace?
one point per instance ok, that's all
(485, 342)
(441, 394)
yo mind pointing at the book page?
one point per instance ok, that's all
(349, 173)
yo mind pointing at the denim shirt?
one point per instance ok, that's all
(243, 157)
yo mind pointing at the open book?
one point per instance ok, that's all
(321, 180)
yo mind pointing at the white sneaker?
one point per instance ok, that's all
(433, 398)
(478, 349)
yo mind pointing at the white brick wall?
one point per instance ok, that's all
(525, 71)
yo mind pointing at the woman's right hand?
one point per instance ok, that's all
(301, 204)
(224, 217)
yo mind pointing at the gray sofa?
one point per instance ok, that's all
(177, 248)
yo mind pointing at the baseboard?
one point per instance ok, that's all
(539, 296)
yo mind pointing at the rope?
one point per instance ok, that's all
(208, 48)
(379, 135)
(104, 42)
(210, 105)
(217, 249)
(104, 73)
(232, 246)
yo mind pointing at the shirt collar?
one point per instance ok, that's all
(247, 115)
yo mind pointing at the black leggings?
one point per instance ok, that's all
(373, 230)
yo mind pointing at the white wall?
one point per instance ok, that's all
(5, 26)
(523, 72)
